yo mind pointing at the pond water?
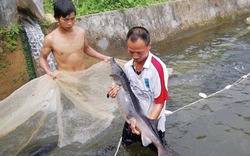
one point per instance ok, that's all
(203, 62)
(206, 62)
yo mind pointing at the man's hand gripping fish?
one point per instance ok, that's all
(130, 108)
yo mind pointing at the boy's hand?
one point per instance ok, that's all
(107, 59)
(52, 74)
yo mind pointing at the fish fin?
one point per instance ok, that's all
(154, 124)
(113, 75)
(116, 78)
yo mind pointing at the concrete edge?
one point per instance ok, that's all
(107, 31)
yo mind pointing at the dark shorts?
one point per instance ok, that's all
(129, 138)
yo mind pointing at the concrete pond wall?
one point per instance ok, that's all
(107, 31)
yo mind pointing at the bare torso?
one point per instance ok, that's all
(68, 49)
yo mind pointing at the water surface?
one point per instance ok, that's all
(206, 62)
(203, 62)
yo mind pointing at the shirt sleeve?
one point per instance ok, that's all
(160, 80)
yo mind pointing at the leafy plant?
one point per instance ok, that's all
(27, 54)
(4, 65)
(85, 7)
(48, 6)
(9, 35)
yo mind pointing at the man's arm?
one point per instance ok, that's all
(159, 101)
(46, 50)
(154, 115)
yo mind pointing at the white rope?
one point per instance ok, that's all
(118, 146)
(167, 112)
(237, 36)
(227, 87)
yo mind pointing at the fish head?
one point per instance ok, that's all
(116, 71)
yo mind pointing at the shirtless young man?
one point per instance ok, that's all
(67, 42)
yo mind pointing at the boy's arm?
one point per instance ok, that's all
(46, 50)
(91, 52)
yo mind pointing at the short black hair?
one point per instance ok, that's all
(63, 8)
(139, 32)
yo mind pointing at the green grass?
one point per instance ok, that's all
(85, 7)
(9, 35)
(8, 43)
(27, 54)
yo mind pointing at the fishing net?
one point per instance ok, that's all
(71, 108)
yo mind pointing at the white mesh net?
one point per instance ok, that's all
(73, 107)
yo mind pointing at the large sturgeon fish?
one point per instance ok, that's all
(130, 108)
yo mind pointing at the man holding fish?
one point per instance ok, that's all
(147, 77)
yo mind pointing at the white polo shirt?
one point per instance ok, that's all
(150, 86)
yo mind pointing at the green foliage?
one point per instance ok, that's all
(27, 54)
(84, 7)
(8, 40)
(9, 35)
(48, 6)
(4, 65)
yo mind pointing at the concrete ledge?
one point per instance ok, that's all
(107, 31)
